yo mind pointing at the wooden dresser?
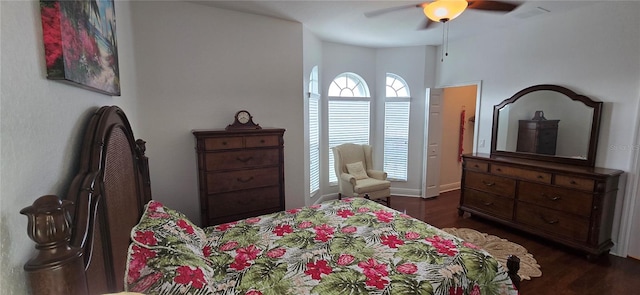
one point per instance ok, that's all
(537, 136)
(240, 173)
(571, 205)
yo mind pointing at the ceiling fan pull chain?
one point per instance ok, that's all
(442, 50)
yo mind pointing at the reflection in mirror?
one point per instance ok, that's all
(564, 125)
(547, 122)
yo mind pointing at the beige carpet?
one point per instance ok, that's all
(501, 249)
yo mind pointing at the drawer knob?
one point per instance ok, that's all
(549, 221)
(476, 166)
(245, 180)
(262, 141)
(488, 203)
(488, 183)
(498, 169)
(551, 198)
(540, 177)
(224, 143)
(244, 160)
(572, 182)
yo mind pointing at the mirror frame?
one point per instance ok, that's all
(595, 126)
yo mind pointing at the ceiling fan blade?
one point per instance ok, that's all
(492, 5)
(388, 10)
(426, 24)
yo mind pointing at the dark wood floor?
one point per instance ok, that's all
(564, 271)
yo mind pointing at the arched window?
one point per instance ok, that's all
(396, 127)
(349, 105)
(314, 132)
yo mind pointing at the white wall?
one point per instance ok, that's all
(198, 66)
(592, 50)
(43, 123)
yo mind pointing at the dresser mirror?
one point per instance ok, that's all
(549, 123)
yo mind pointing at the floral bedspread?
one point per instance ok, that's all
(352, 246)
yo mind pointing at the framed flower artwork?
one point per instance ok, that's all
(80, 43)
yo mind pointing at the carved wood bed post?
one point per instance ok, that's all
(57, 267)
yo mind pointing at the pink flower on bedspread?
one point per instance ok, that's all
(471, 246)
(384, 216)
(344, 213)
(456, 291)
(363, 210)
(185, 225)
(391, 241)
(225, 226)
(253, 220)
(318, 268)
(443, 246)
(276, 253)
(146, 238)
(229, 246)
(158, 215)
(345, 259)
(293, 211)
(349, 229)
(154, 205)
(323, 232)
(239, 264)
(476, 290)
(187, 275)
(206, 251)
(305, 224)
(315, 206)
(410, 235)
(146, 282)
(282, 229)
(253, 292)
(248, 253)
(372, 268)
(407, 268)
(138, 261)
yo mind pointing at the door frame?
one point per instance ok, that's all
(476, 127)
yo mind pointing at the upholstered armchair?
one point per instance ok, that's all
(356, 176)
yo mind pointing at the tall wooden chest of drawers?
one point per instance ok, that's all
(240, 173)
(571, 205)
(537, 136)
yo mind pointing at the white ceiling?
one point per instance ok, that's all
(344, 21)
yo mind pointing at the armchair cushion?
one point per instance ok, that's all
(357, 170)
(370, 185)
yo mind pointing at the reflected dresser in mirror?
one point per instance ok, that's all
(552, 192)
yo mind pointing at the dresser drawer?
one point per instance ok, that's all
(241, 159)
(575, 182)
(245, 201)
(565, 200)
(490, 183)
(242, 179)
(532, 175)
(223, 143)
(261, 141)
(476, 166)
(552, 221)
(492, 204)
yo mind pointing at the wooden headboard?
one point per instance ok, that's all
(82, 240)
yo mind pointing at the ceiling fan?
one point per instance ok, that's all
(446, 10)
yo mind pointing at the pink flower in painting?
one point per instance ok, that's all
(225, 226)
(391, 241)
(318, 268)
(384, 216)
(345, 259)
(344, 213)
(253, 220)
(206, 251)
(411, 235)
(305, 224)
(146, 282)
(349, 229)
(253, 292)
(187, 275)
(229, 246)
(443, 246)
(51, 33)
(276, 253)
(146, 238)
(282, 229)
(248, 253)
(186, 226)
(407, 268)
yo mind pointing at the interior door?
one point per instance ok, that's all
(433, 137)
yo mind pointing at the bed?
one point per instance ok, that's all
(108, 236)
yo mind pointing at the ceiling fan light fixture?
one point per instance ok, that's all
(444, 10)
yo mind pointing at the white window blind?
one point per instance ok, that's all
(314, 144)
(396, 139)
(348, 123)
(396, 127)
